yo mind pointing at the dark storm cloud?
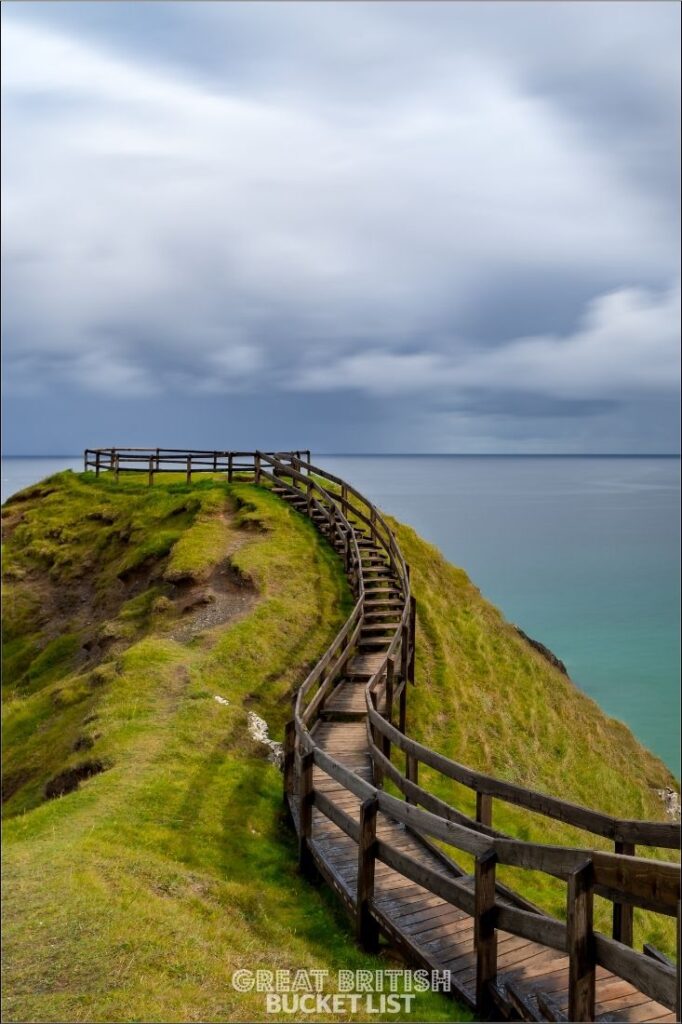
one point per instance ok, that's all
(462, 210)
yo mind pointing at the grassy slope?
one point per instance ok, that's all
(486, 698)
(136, 896)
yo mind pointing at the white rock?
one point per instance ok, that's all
(671, 799)
(221, 700)
(258, 730)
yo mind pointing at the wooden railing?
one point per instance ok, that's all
(621, 877)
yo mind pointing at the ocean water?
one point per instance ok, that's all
(582, 553)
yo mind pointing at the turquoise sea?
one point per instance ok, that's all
(581, 552)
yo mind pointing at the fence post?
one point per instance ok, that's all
(623, 912)
(402, 713)
(411, 772)
(678, 1008)
(151, 470)
(405, 651)
(215, 462)
(97, 458)
(581, 947)
(256, 468)
(289, 758)
(189, 469)
(378, 771)
(305, 816)
(388, 710)
(367, 931)
(484, 809)
(229, 467)
(485, 933)
(413, 648)
(116, 468)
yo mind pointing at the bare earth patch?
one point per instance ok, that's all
(224, 596)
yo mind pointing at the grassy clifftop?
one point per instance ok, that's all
(145, 850)
(128, 610)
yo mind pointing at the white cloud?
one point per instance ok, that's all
(627, 343)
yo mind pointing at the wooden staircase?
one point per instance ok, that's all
(507, 959)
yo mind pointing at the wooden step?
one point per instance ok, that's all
(328, 714)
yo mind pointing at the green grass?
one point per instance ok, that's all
(487, 699)
(136, 896)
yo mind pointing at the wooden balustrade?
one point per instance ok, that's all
(621, 877)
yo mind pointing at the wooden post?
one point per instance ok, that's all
(189, 469)
(158, 461)
(411, 772)
(256, 468)
(402, 713)
(413, 640)
(485, 933)
(623, 912)
(484, 809)
(581, 947)
(85, 461)
(116, 468)
(678, 1008)
(388, 711)
(305, 817)
(229, 467)
(215, 462)
(97, 459)
(405, 651)
(289, 758)
(366, 929)
(377, 770)
(151, 470)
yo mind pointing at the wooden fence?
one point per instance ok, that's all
(626, 880)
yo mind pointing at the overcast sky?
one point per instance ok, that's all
(447, 227)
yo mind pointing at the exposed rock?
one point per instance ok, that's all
(221, 700)
(671, 802)
(258, 730)
(544, 651)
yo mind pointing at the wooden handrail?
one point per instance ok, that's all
(664, 835)
(621, 877)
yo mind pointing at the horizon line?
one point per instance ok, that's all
(419, 455)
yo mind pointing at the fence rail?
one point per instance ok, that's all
(349, 520)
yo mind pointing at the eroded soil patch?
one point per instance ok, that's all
(71, 778)
(224, 596)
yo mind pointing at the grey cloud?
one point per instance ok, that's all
(366, 199)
